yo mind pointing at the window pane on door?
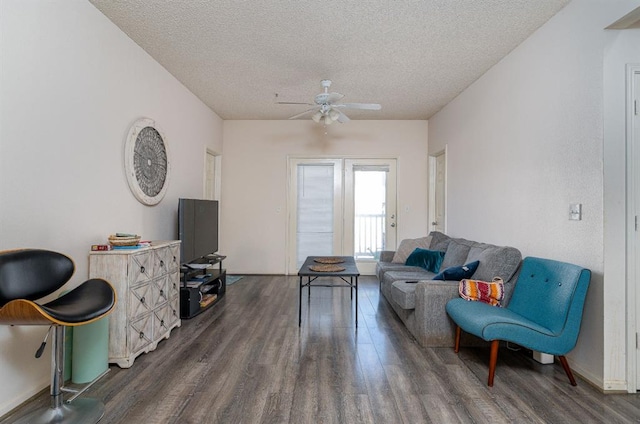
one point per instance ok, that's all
(315, 211)
(370, 211)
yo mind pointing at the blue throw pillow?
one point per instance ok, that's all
(457, 273)
(427, 259)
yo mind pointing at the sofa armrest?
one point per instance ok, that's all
(433, 324)
(387, 255)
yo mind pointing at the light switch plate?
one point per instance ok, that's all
(575, 211)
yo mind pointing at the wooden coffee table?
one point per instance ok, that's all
(332, 268)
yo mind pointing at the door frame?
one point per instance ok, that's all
(632, 247)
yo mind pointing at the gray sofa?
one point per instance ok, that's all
(421, 305)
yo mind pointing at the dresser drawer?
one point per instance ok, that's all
(142, 299)
(140, 333)
(140, 267)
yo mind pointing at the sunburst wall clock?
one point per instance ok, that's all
(146, 162)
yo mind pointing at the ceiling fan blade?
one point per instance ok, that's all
(313, 109)
(363, 106)
(334, 97)
(294, 103)
(342, 118)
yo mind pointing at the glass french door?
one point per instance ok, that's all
(341, 207)
(370, 210)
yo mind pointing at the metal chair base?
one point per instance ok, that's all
(80, 411)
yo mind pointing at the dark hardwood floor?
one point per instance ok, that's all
(246, 361)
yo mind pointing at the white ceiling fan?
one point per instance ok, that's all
(325, 109)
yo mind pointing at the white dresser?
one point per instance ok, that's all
(147, 283)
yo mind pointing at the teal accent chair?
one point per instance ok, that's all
(544, 313)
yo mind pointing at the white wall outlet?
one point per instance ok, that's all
(575, 211)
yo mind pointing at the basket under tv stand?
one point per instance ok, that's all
(202, 285)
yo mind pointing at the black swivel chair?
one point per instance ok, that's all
(29, 274)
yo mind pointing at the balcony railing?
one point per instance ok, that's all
(369, 236)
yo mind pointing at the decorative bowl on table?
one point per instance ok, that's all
(128, 240)
(329, 260)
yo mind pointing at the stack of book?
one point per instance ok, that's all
(207, 299)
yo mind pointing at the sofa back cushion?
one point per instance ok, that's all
(495, 261)
(439, 241)
(407, 246)
(456, 253)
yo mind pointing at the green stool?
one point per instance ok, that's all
(90, 351)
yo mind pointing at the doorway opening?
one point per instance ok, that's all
(438, 191)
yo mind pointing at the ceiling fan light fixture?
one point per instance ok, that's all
(328, 110)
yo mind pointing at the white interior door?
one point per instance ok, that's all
(370, 210)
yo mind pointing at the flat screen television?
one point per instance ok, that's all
(197, 229)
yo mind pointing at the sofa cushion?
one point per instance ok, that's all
(457, 273)
(383, 267)
(425, 258)
(439, 241)
(456, 253)
(407, 246)
(495, 261)
(404, 294)
(407, 274)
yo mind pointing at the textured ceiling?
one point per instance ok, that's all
(412, 57)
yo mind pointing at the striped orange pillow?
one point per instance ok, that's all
(482, 291)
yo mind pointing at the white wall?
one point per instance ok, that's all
(254, 170)
(525, 141)
(71, 85)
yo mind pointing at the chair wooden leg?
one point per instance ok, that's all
(567, 370)
(456, 347)
(493, 359)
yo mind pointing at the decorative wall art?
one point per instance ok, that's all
(146, 162)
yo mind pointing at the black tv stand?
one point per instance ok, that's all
(201, 288)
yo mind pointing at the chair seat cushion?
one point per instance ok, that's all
(88, 301)
(491, 323)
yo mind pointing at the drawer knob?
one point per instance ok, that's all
(142, 335)
(162, 263)
(142, 270)
(162, 324)
(142, 300)
(161, 292)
